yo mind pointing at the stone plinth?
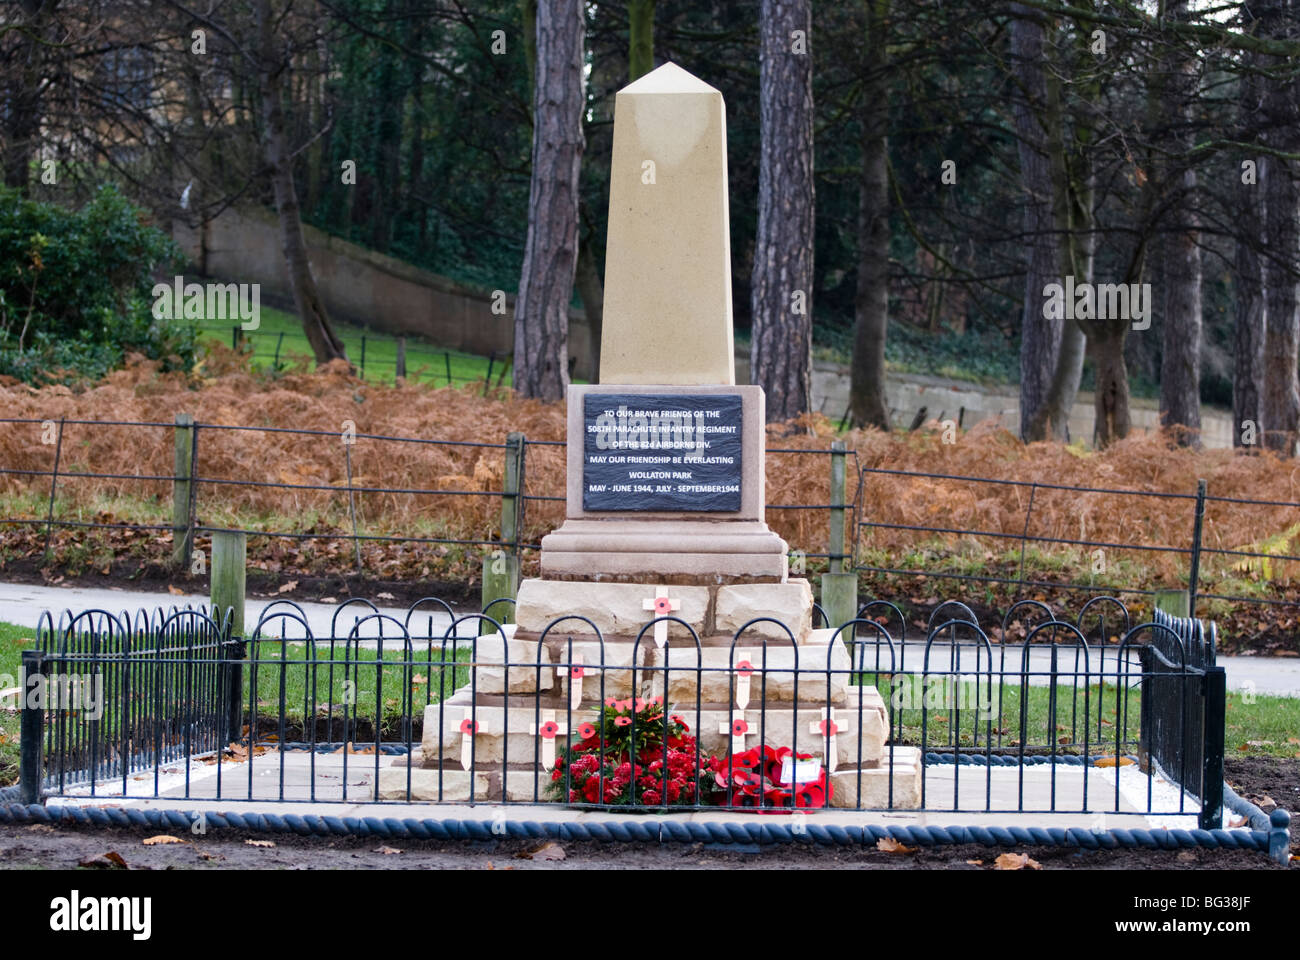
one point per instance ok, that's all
(706, 548)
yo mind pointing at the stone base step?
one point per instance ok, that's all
(869, 787)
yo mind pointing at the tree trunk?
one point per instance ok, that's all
(592, 293)
(1111, 401)
(782, 280)
(1248, 281)
(1040, 337)
(867, 401)
(1180, 354)
(551, 250)
(1180, 358)
(640, 38)
(22, 104)
(1281, 401)
(1248, 331)
(325, 344)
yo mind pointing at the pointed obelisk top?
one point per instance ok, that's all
(668, 253)
(668, 78)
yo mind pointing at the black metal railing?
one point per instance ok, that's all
(417, 706)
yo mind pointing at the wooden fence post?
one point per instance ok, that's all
(182, 492)
(501, 566)
(1175, 602)
(839, 587)
(400, 372)
(228, 570)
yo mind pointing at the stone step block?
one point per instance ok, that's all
(493, 651)
(790, 603)
(502, 732)
(615, 609)
(869, 787)
(776, 725)
(712, 670)
(592, 654)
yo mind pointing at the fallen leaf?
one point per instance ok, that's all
(1236, 822)
(547, 851)
(209, 856)
(385, 596)
(1115, 762)
(329, 599)
(1016, 861)
(890, 845)
(287, 587)
(175, 591)
(387, 851)
(105, 861)
(976, 863)
(1259, 743)
(160, 839)
(1293, 739)
(260, 843)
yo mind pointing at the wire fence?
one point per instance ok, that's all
(870, 530)
(429, 364)
(1169, 511)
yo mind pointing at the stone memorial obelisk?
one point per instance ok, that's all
(664, 518)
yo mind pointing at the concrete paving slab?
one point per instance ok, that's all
(282, 782)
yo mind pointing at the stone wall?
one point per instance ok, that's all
(364, 287)
(907, 393)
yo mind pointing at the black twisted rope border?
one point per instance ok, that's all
(1275, 841)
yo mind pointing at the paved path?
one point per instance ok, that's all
(22, 604)
(284, 781)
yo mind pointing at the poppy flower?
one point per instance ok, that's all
(577, 673)
(586, 731)
(640, 704)
(469, 726)
(677, 719)
(828, 727)
(663, 606)
(622, 721)
(745, 668)
(739, 728)
(611, 702)
(548, 730)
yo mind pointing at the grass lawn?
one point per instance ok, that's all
(280, 334)
(13, 641)
(340, 683)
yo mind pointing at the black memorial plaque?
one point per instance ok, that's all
(655, 451)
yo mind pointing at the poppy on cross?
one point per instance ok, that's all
(662, 605)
